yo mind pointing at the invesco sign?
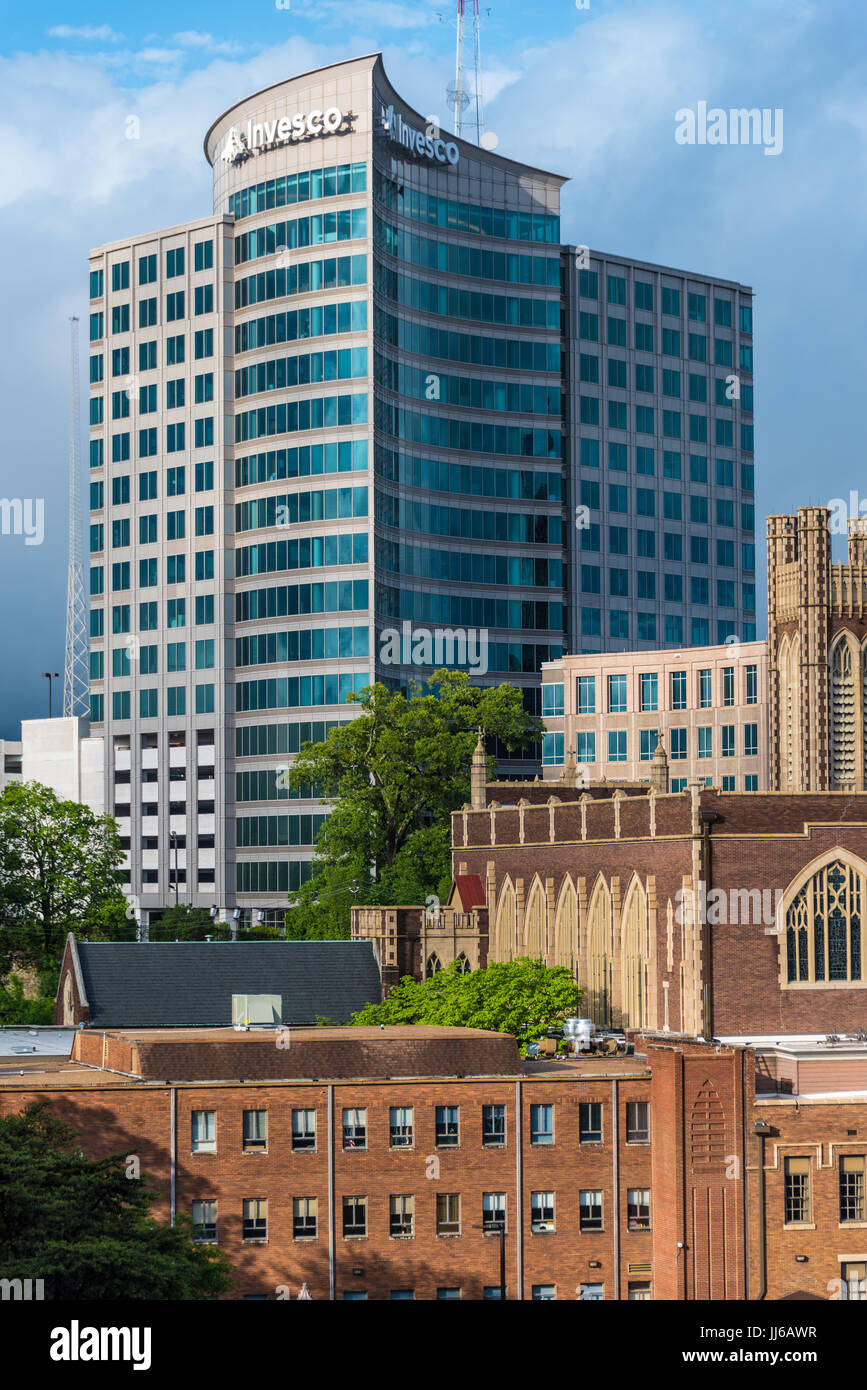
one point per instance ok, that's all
(419, 141)
(241, 143)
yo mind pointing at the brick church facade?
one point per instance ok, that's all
(702, 912)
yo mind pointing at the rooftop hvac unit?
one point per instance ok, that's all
(257, 1010)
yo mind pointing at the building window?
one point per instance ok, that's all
(544, 1293)
(448, 1214)
(851, 1188)
(617, 746)
(678, 743)
(400, 1216)
(204, 1131)
(639, 1292)
(637, 1122)
(585, 746)
(797, 1191)
(304, 1218)
(492, 1293)
(824, 935)
(751, 740)
(355, 1216)
(552, 700)
(541, 1124)
(493, 1211)
(752, 683)
(255, 1219)
(617, 694)
(493, 1126)
(648, 683)
(678, 690)
(638, 1209)
(591, 1293)
(854, 1282)
(446, 1126)
(704, 689)
(205, 1221)
(355, 1129)
(705, 741)
(728, 740)
(303, 1129)
(586, 694)
(448, 1293)
(255, 1130)
(648, 740)
(402, 1295)
(590, 1210)
(590, 1122)
(400, 1127)
(355, 1296)
(542, 1211)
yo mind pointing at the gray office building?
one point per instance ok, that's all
(368, 418)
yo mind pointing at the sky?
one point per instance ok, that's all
(591, 92)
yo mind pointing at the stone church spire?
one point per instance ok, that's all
(479, 776)
(659, 768)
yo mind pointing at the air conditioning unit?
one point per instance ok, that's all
(257, 1010)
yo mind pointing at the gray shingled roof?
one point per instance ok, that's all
(189, 984)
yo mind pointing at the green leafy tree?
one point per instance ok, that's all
(85, 1227)
(520, 996)
(59, 871)
(394, 775)
(16, 1008)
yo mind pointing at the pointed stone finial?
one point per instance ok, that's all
(659, 767)
(479, 776)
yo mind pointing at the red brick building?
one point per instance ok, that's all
(377, 1164)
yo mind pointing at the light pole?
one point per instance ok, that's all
(49, 676)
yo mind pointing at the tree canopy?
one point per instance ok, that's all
(59, 871)
(83, 1225)
(520, 996)
(393, 775)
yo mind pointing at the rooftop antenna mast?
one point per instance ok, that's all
(464, 94)
(75, 676)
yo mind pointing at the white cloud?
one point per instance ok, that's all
(192, 38)
(101, 32)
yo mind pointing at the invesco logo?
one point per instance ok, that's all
(419, 141)
(240, 144)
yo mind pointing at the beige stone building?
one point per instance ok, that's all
(709, 705)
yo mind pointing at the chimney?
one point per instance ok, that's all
(479, 776)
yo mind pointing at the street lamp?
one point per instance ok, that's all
(49, 676)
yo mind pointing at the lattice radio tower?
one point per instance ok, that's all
(465, 93)
(75, 672)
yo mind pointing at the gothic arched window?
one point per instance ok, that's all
(824, 936)
(434, 964)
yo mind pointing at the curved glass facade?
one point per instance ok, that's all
(365, 362)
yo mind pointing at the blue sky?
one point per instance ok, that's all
(591, 93)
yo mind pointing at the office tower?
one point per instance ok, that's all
(660, 419)
(328, 446)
